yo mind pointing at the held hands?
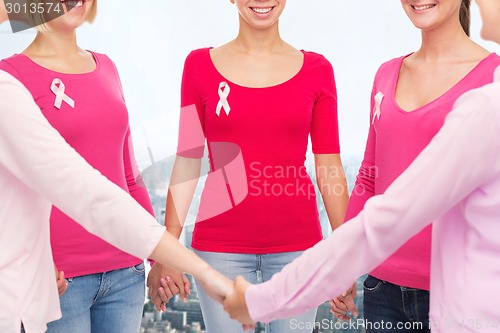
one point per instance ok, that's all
(343, 304)
(164, 283)
(235, 304)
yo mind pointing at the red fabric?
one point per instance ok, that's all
(97, 128)
(271, 127)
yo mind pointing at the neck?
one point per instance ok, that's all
(257, 41)
(446, 41)
(55, 43)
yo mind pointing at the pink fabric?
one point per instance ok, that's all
(395, 138)
(455, 181)
(97, 128)
(38, 167)
(271, 126)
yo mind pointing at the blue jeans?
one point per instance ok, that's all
(400, 309)
(254, 268)
(110, 302)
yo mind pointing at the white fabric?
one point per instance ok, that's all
(37, 168)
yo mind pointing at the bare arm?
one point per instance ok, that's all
(164, 282)
(332, 186)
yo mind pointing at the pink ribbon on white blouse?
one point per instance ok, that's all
(223, 94)
(58, 88)
(378, 101)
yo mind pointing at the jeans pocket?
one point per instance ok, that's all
(371, 283)
(139, 269)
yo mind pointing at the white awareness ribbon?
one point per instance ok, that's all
(58, 88)
(378, 101)
(223, 98)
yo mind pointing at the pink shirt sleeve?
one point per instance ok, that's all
(135, 184)
(364, 187)
(468, 151)
(324, 126)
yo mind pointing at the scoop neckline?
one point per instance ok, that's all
(437, 99)
(292, 78)
(93, 72)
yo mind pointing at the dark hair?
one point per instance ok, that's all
(465, 16)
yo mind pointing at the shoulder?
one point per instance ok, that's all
(489, 64)
(314, 59)
(102, 59)
(15, 60)
(14, 64)
(198, 56)
(390, 66)
(318, 65)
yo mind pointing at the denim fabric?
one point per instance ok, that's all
(392, 308)
(255, 269)
(110, 302)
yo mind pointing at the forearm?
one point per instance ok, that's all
(332, 185)
(335, 198)
(423, 192)
(183, 182)
(170, 252)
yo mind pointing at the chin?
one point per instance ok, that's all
(490, 35)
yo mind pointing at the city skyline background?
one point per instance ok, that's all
(149, 41)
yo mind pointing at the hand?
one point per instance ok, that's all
(216, 285)
(163, 283)
(343, 304)
(235, 304)
(62, 284)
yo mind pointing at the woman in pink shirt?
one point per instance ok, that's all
(454, 182)
(38, 168)
(411, 96)
(255, 100)
(80, 94)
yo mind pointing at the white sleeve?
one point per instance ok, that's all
(464, 155)
(34, 152)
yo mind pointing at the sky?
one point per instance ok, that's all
(149, 40)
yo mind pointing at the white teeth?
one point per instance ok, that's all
(262, 10)
(74, 3)
(423, 7)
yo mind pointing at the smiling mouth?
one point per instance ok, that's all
(73, 3)
(262, 10)
(423, 7)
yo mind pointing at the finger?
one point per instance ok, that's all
(158, 303)
(169, 287)
(339, 305)
(180, 287)
(247, 327)
(351, 306)
(187, 284)
(153, 293)
(168, 283)
(62, 284)
(339, 312)
(165, 294)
